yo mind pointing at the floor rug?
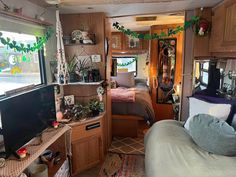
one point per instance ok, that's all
(121, 165)
(127, 145)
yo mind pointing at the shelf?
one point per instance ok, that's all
(76, 44)
(24, 18)
(82, 83)
(87, 120)
(14, 167)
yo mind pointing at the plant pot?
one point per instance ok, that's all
(95, 113)
(73, 77)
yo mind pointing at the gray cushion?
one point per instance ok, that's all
(213, 135)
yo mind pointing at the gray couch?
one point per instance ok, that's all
(171, 152)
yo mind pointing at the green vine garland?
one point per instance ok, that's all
(28, 48)
(127, 63)
(178, 29)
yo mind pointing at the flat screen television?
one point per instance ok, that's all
(25, 116)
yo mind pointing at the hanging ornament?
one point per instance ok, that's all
(203, 27)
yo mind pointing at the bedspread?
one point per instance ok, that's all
(141, 107)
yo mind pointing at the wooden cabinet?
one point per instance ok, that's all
(87, 144)
(122, 43)
(223, 33)
(86, 153)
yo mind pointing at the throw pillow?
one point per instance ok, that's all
(213, 135)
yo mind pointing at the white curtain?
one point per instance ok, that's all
(61, 59)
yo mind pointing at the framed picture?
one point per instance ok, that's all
(116, 41)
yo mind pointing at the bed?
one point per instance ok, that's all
(130, 109)
(171, 152)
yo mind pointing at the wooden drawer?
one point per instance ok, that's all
(86, 130)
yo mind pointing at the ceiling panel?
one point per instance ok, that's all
(129, 7)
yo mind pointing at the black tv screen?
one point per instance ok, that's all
(25, 116)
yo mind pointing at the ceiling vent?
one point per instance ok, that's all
(149, 18)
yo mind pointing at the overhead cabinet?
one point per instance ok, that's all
(223, 35)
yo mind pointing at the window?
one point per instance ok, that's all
(19, 69)
(129, 68)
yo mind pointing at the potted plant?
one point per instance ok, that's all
(95, 106)
(71, 68)
(82, 68)
(80, 111)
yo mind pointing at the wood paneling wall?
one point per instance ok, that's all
(187, 68)
(164, 111)
(201, 43)
(92, 22)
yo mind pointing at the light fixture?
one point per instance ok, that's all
(53, 2)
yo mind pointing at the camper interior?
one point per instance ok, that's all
(117, 88)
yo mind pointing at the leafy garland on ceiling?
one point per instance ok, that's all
(178, 29)
(26, 48)
(187, 24)
(127, 63)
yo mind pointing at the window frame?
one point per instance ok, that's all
(42, 69)
(136, 63)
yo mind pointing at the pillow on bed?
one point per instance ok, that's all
(125, 79)
(113, 84)
(197, 106)
(213, 135)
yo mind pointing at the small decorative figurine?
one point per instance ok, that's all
(22, 153)
(55, 124)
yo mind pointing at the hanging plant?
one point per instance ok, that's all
(128, 63)
(203, 27)
(178, 29)
(26, 48)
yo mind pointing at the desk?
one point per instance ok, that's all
(14, 168)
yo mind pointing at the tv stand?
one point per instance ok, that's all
(56, 140)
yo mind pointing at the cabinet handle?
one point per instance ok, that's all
(93, 126)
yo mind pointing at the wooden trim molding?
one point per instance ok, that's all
(24, 18)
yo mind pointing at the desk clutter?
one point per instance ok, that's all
(43, 159)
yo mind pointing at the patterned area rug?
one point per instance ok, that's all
(127, 145)
(121, 165)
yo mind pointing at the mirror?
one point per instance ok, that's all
(166, 69)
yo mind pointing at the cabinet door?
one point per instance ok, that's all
(85, 153)
(230, 25)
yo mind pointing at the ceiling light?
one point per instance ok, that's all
(53, 2)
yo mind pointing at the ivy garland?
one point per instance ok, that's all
(128, 63)
(178, 29)
(26, 48)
